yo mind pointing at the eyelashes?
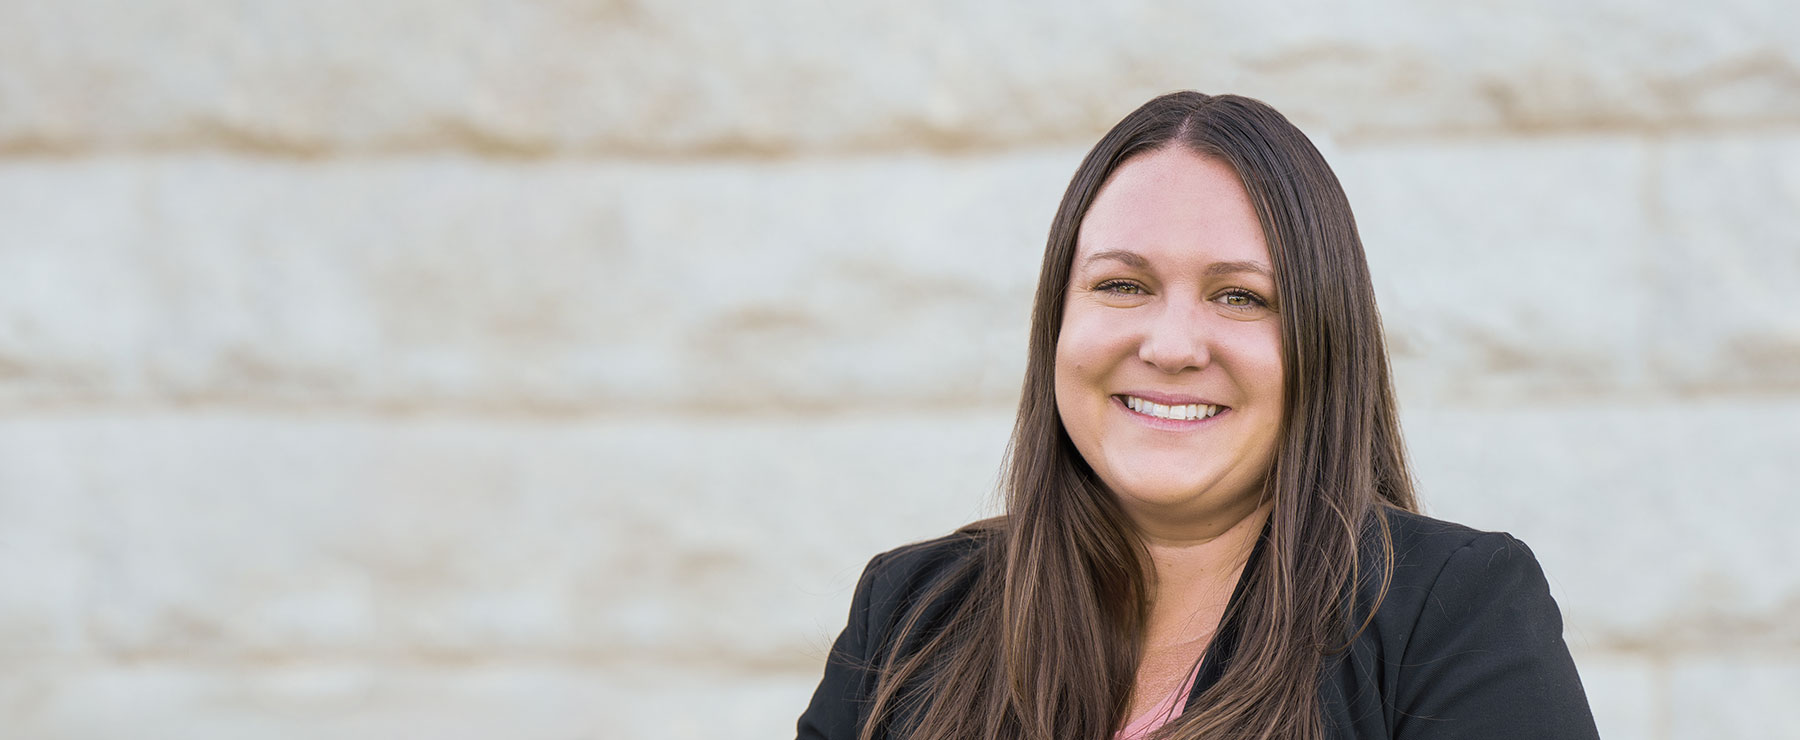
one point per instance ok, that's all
(1120, 287)
(1237, 299)
(1248, 300)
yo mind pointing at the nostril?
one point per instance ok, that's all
(1174, 356)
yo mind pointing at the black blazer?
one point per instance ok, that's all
(1467, 643)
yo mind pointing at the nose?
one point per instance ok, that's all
(1176, 338)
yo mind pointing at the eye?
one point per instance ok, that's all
(1120, 287)
(1241, 299)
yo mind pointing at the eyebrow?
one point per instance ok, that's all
(1133, 259)
(1228, 268)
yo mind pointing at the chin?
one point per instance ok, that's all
(1184, 489)
(1170, 493)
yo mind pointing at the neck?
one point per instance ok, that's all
(1202, 561)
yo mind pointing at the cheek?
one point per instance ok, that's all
(1069, 347)
(1269, 382)
(1079, 365)
(1090, 340)
(1274, 374)
(1069, 380)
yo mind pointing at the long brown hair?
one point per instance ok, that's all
(1047, 648)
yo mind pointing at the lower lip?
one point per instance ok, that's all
(1173, 425)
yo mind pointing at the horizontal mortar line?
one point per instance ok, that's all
(1778, 652)
(798, 663)
(648, 155)
(531, 410)
(1350, 137)
(524, 412)
(23, 662)
(1723, 642)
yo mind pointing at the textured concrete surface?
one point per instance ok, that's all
(468, 370)
(701, 78)
(1553, 267)
(1741, 695)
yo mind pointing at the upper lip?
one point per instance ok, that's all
(1169, 399)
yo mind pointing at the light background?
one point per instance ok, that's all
(463, 369)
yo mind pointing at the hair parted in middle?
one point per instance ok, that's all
(1048, 646)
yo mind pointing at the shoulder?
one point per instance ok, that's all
(916, 586)
(920, 579)
(1448, 568)
(929, 558)
(1442, 571)
(1420, 538)
(1465, 640)
(937, 569)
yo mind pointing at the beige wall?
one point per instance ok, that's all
(463, 369)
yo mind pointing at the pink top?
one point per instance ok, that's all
(1168, 709)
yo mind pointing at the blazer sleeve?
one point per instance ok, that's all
(837, 704)
(1486, 657)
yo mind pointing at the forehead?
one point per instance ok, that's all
(1173, 204)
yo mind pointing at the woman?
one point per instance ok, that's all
(1210, 529)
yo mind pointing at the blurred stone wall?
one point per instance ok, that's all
(463, 369)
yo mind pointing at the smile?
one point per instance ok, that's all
(1182, 412)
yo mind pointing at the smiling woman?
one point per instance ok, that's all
(1171, 310)
(1210, 530)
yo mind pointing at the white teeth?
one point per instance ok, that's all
(1184, 412)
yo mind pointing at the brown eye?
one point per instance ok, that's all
(1242, 299)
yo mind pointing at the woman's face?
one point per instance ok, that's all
(1168, 365)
